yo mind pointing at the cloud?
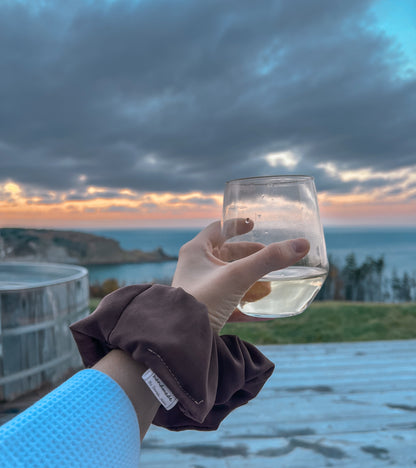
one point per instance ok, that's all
(382, 184)
(196, 201)
(169, 96)
(286, 159)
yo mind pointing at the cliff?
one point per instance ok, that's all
(46, 245)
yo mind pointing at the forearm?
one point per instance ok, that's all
(128, 374)
(198, 376)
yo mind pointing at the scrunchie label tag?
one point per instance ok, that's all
(160, 390)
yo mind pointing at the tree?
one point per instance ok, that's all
(349, 274)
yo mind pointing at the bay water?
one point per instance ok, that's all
(396, 245)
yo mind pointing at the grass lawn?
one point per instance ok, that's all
(330, 321)
(94, 303)
(333, 321)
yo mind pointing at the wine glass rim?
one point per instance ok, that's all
(281, 179)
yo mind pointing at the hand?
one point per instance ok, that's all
(218, 274)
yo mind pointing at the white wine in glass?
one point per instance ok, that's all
(282, 208)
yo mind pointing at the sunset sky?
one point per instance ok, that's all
(132, 113)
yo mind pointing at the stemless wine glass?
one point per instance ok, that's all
(282, 208)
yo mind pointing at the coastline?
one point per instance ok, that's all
(72, 247)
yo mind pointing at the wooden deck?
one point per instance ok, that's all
(338, 404)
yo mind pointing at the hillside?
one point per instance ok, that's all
(46, 245)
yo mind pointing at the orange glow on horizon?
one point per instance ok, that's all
(127, 209)
(132, 209)
(361, 209)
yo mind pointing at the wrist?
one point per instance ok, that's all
(127, 372)
(167, 330)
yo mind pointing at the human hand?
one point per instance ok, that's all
(218, 274)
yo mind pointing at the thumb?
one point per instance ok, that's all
(273, 257)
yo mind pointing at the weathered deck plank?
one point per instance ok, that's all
(338, 404)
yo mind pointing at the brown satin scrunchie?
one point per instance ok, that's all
(168, 330)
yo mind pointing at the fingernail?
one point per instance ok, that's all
(300, 245)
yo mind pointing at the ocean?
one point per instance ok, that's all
(396, 245)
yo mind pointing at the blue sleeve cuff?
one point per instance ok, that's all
(87, 421)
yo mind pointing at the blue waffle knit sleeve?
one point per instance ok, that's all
(88, 421)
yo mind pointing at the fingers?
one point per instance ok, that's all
(216, 235)
(273, 257)
(259, 290)
(236, 227)
(235, 250)
(211, 234)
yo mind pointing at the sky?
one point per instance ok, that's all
(134, 113)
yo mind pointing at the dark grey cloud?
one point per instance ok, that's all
(183, 95)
